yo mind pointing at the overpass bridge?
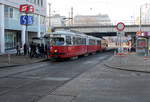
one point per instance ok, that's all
(105, 30)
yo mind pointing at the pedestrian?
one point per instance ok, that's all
(31, 49)
(38, 50)
(47, 50)
(42, 51)
(34, 54)
(25, 49)
(18, 48)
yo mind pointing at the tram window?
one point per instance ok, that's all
(68, 40)
(57, 41)
(91, 42)
(98, 42)
(79, 41)
(74, 41)
(83, 41)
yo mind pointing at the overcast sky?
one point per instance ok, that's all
(117, 10)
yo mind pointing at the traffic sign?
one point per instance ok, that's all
(30, 9)
(23, 8)
(27, 8)
(26, 20)
(120, 26)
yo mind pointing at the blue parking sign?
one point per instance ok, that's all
(26, 20)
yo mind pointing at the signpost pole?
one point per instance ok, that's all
(25, 19)
(26, 36)
(120, 27)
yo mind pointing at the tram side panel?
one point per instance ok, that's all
(76, 50)
(92, 47)
(78, 46)
(59, 52)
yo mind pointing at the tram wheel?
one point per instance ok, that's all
(86, 54)
(74, 58)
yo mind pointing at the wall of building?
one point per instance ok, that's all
(10, 17)
(92, 20)
(57, 20)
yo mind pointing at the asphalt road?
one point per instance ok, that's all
(82, 80)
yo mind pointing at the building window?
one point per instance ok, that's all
(35, 1)
(9, 12)
(38, 2)
(41, 2)
(6, 11)
(16, 14)
(10, 39)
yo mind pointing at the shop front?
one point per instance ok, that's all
(143, 43)
(11, 39)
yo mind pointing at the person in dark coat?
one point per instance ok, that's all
(25, 49)
(31, 50)
(42, 51)
(18, 48)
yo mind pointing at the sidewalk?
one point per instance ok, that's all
(130, 62)
(13, 60)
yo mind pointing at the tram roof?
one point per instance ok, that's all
(74, 33)
(64, 32)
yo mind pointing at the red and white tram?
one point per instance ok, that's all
(67, 44)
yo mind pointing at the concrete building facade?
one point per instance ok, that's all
(57, 20)
(11, 31)
(93, 20)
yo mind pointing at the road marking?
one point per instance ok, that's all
(48, 78)
(56, 78)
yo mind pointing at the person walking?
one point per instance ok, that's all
(47, 50)
(18, 48)
(31, 50)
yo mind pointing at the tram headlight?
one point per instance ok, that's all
(55, 51)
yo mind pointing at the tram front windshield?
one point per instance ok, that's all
(59, 41)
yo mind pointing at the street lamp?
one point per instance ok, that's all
(140, 19)
(140, 28)
(140, 22)
(49, 14)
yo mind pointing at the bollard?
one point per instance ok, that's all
(145, 59)
(115, 53)
(8, 58)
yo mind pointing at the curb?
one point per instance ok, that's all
(16, 65)
(130, 70)
(10, 66)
